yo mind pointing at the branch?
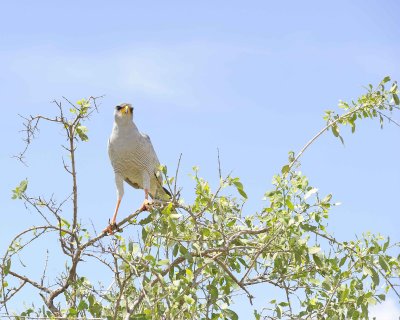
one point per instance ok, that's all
(232, 276)
(332, 123)
(30, 281)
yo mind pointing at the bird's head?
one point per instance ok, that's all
(123, 113)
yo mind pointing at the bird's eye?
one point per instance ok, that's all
(118, 108)
(131, 108)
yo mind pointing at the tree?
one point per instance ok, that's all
(189, 260)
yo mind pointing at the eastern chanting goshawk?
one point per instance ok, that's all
(134, 161)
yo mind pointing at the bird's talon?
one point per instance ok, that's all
(146, 206)
(111, 228)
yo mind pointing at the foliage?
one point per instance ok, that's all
(190, 260)
(370, 105)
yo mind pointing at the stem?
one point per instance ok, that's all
(320, 133)
(73, 173)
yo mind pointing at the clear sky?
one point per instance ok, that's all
(251, 78)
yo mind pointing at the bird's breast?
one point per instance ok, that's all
(128, 155)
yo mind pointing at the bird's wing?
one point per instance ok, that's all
(156, 178)
(151, 156)
(149, 148)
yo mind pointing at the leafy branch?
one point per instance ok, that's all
(191, 260)
(371, 105)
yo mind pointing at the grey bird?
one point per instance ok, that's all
(134, 161)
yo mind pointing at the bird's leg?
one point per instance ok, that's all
(114, 218)
(146, 203)
(112, 225)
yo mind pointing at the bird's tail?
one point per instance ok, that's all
(162, 193)
(166, 192)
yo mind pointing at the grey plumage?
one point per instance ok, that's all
(133, 157)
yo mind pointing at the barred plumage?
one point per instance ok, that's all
(133, 158)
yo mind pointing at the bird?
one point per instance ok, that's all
(134, 161)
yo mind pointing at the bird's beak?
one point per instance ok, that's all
(126, 109)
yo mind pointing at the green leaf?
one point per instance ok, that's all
(163, 169)
(130, 246)
(393, 89)
(381, 121)
(163, 262)
(375, 277)
(341, 139)
(81, 102)
(231, 314)
(309, 193)
(335, 130)
(314, 250)
(317, 260)
(239, 187)
(381, 297)
(91, 300)
(242, 193)
(72, 312)
(7, 267)
(237, 183)
(167, 209)
(371, 300)
(355, 315)
(189, 275)
(19, 191)
(118, 237)
(278, 310)
(183, 250)
(175, 250)
(326, 199)
(144, 234)
(386, 245)
(205, 232)
(344, 294)
(188, 299)
(269, 194)
(342, 261)
(384, 265)
(396, 99)
(289, 204)
(285, 169)
(243, 262)
(386, 79)
(327, 285)
(65, 223)
(308, 227)
(150, 258)
(23, 185)
(367, 271)
(213, 292)
(171, 273)
(81, 131)
(82, 305)
(299, 218)
(175, 215)
(146, 220)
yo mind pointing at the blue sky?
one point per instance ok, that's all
(250, 78)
